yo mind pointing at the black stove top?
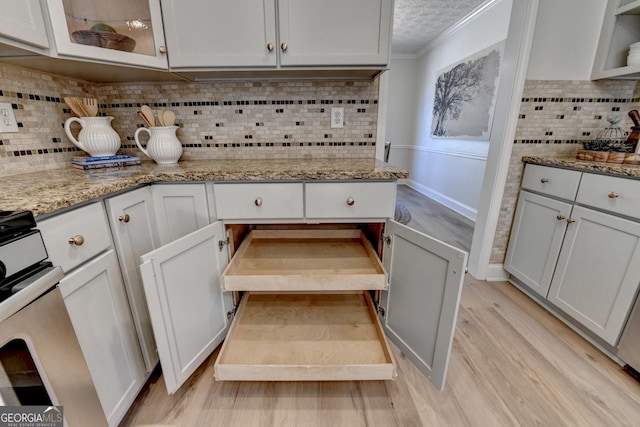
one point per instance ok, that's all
(12, 223)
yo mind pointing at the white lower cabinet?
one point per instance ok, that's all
(97, 303)
(584, 260)
(298, 335)
(134, 230)
(596, 278)
(180, 209)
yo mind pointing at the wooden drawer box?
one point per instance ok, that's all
(618, 195)
(350, 200)
(556, 182)
(87, 226)
(305, 337)
(257, 201)
(305, 260)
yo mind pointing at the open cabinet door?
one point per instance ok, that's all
(420, 306)
(187, 307)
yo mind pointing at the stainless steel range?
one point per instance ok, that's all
(40, 359)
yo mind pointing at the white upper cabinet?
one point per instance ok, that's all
(334, 32)
(277, 33)
(23, 21)
(220, 33)
(119, 31)
(620, 29)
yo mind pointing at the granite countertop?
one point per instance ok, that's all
(615, 169)
(50, 190)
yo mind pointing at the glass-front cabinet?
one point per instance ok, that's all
(117, 31)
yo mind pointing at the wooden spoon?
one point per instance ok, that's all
(160, 117)
(144, 119)
(76, 106)
(169, 118)
(148, 113)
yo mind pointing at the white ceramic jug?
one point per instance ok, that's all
(163, 146)
(96, 137)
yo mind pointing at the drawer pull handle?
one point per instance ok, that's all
(77, 240)
(350, 201)
(270, 47)
(570, 220)
(257, 201)
(284, 47)
(560, 217)
(544, 180)
(124, 218)
(613, 195)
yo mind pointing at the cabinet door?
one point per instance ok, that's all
(220, 33)
(188, 308)
(23, 21)
(597, 274)
(179, 209)
(334, 32)
(85, 29)
(97, 304)
(135, 233)
(536, 237)
(421, 304)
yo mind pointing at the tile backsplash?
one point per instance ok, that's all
(554, 117)
(217, 120)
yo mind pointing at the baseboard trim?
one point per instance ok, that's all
(467, 212)
(496, 273)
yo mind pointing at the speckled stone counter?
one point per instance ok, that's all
(51, 190)
(627, 171)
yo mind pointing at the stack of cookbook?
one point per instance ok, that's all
(118, 160)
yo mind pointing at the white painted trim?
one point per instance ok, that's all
(512, 78)
(466, 211)
(496, 273)
(383, 101)
(466, 155)
(455, 27)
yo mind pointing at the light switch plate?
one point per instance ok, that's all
(337, 117)
(7, 118)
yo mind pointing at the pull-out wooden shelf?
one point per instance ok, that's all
(305, 260)
(305, 337)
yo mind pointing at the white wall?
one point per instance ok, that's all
(565, 39)
(401, 108)
(449, 171)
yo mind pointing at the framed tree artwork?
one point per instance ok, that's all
(465, 96)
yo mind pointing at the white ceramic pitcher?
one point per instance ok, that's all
(163, 146)
(96, 137)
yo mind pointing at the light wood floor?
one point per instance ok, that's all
(513, 364)
(436, 220)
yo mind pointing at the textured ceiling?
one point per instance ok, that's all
(417, 22)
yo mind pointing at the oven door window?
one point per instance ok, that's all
(20, 382)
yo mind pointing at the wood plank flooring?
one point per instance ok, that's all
(513, 364)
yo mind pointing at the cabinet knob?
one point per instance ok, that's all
(284, 47)
(270, 47)
(163, 50)
(613, 195)
(257, 201)
(544, 180)
(560, 217)
(77, 240)
(570, 220)
(124, 218)
(350, 201)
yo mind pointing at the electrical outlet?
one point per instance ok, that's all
(337, 117)
(7, 118)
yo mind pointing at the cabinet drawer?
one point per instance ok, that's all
(561, 183)
(304, 260)
(259, 201)
(87, 225)
(305, 337)
(618, 195)
(350, 200)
